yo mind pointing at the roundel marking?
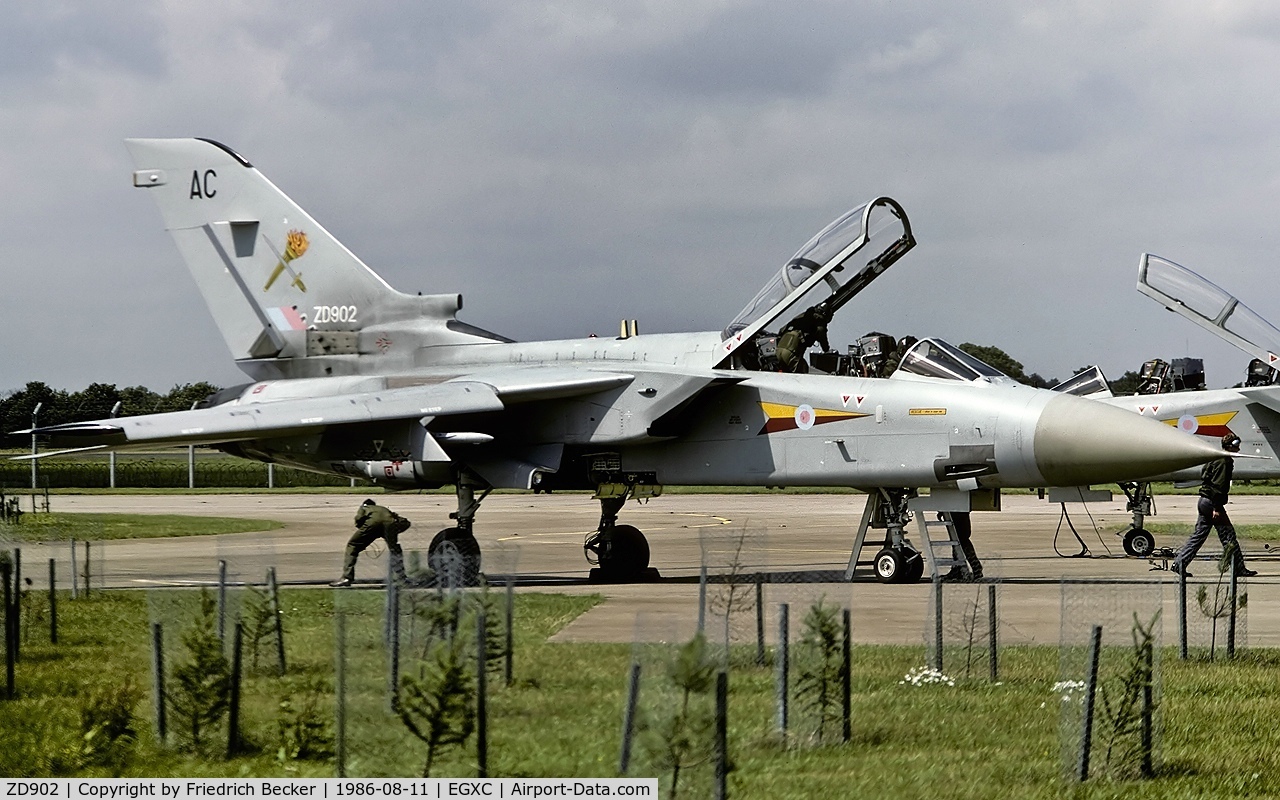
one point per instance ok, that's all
(804, 417)
(1188, 423)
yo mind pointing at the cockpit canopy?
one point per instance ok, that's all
(870, 238)
(1184, 292)
(1089, 382)
(934, 359)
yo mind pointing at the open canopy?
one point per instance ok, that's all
(1184, 292)
(866, 239)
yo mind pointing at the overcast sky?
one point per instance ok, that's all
(567, 164)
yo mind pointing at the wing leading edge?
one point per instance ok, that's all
(243, 421)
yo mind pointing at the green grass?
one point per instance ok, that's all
(562, 716)
(56, 526)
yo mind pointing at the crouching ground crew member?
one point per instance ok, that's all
(374, 522)
(1214, 487)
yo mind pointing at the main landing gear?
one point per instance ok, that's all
(454, 553)
(620, 552)
(1137, 541)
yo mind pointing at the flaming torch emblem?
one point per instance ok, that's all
(295, 246)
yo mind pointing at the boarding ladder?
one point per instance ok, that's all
(941, 548)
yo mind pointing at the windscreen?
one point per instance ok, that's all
(1088, 383)
(934, 358)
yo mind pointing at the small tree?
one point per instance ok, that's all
(732, 597)
(1128, 708)
(1219, 606)
(495, 638)
(260, 622)
(202, 685)
(438, 706)
(302, 724)
(108, 729)
(819, 679)
(683, 738)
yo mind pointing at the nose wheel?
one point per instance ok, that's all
(1138, 542)
(899, 565)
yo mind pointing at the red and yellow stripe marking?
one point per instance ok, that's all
(782, 417)
(1208, 424)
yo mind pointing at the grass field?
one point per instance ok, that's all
(562, 715)
(57, 526)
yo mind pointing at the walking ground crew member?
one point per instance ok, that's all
(374, 522)
(1214, 488)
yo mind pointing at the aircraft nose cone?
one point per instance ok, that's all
(1078, 442)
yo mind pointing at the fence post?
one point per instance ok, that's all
(759, 620)
(1231, 618)
(157, 678)
(53, 602)
(781, 667)
(233, 717)
(629, 717)
(482, 701)
(993, 630)
(277, 614)
(722, 735)
(6, 575)
(846, 678)
(1182, 615)
(222, 600)
(937, 624)
(511, 645)
(1090, 694)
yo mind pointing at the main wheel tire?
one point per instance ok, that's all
(1139, 543)
(890, 565)
(454, 557)
(624, 552)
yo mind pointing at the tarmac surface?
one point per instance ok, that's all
(802, 542)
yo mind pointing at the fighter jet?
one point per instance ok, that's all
(1174, 393)
(354, 378)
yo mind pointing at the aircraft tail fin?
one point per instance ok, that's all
(280, 287)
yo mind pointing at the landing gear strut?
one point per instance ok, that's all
(454, 553)
(1137, 541)
(620, 552)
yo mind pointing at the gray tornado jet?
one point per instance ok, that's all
(353, 378)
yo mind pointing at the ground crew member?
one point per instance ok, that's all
(374, 522)
(801, 333)
(1214, 487)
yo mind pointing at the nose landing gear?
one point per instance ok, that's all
(620, 552)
